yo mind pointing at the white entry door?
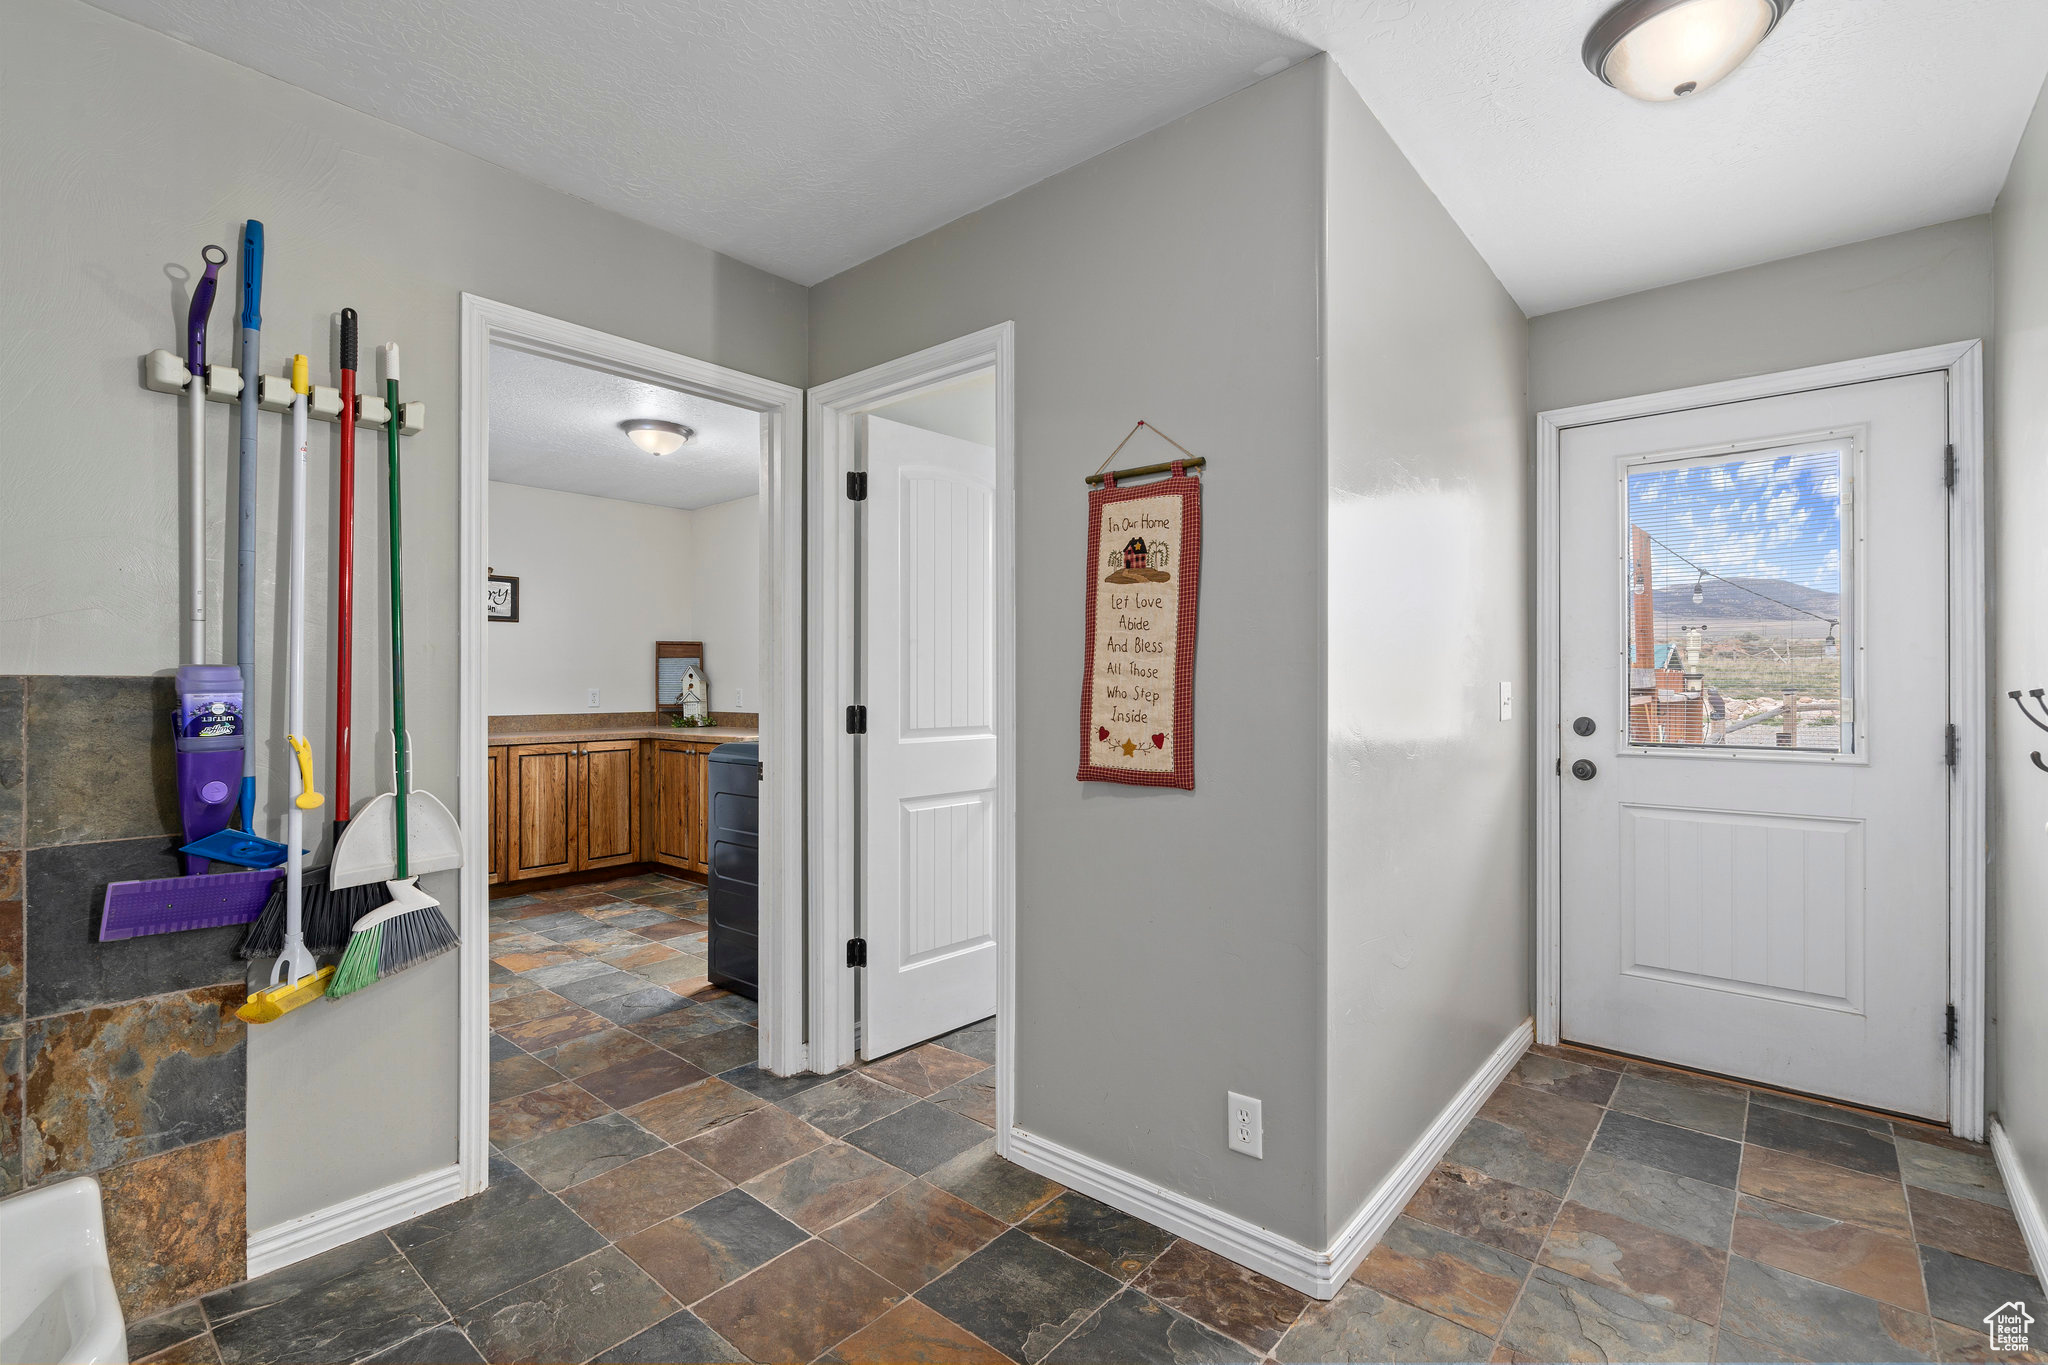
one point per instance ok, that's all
(930, 780)
(1755, 771)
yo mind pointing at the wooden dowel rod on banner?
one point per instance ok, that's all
(1140, 471)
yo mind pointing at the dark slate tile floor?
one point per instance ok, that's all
(1600, 1208)
(655, 1197)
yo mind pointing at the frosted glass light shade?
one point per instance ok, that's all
(657, 438)
(1663, 50)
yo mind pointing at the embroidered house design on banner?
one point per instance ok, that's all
(1138, 685)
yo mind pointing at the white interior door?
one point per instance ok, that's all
(930, 781)
(1754, 776)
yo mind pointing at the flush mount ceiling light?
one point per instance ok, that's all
(657, 437)
(1668, 49)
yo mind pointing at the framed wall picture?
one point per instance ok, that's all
(501, 597)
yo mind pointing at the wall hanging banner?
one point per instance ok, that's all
(1138, 683)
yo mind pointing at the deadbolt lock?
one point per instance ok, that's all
(1583, 726)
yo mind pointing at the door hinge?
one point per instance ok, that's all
(856, 720)
(760, 772)
(1950, 746)
(857, 485)
(856, 952)
(1948, 468)
(1950, 1034)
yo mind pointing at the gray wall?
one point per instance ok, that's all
(1168, 942)
(2019, 880)
(342, 1098)
(1893, 293)
(1429, 799)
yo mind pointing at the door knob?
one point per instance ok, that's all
(1583, 769)
(1583, 726)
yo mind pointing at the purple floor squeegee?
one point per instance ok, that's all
(168, 905)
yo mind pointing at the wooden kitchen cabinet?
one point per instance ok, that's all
(678, 832)
(542, 805)
(596, 804)
(608, 796)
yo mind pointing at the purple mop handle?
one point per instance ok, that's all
(201, 309)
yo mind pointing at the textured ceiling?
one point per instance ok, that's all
(802, 136)
(1855, 119)
(556, 425)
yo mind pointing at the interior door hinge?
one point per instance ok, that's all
(857, 953)
(856, 720)
(1950, 1035)
(857, 485)
(1948, 468)
(1951, 746)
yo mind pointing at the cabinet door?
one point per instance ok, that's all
(698, 838)
(541, 783)
(610, 803)
(668, 840)
(494, 792)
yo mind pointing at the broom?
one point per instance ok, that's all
(411, 928)
(327, 913)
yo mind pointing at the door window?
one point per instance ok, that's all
(1735, 620)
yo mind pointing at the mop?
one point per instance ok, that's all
(411, 928)
(296, 979)
(245, 494)
(327, 911)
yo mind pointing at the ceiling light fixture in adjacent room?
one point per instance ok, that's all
(1668, 49)
(657, 437)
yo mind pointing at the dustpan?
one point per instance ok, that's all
(368, 849)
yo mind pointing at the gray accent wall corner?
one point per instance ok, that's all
(1430, 802)
(1168, 942)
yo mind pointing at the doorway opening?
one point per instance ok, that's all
(913, 716)
(631, 708)
(1760, 815)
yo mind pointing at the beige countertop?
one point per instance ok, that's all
(703, 734)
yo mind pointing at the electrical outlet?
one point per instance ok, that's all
(1247, 1126)
(1507, 701)
(593, 696)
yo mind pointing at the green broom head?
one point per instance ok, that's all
(327, 915)
(402, 934)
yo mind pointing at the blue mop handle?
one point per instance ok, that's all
(245, 484)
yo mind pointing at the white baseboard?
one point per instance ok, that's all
(2026, 1200)
(1318, 1273)
(286, 1243)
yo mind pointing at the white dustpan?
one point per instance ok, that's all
(368, 849)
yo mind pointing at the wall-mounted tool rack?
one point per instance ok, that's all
(166, 373)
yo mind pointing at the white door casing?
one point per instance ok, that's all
(485, 323)
(930, 758)
(1773, 914)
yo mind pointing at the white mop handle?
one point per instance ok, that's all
(295, 660)
(390, 350)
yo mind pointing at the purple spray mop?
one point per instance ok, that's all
(208, 737)
(172, 904)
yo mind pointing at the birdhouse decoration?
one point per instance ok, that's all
(695, 697)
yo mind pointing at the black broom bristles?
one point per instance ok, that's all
(327, 914)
